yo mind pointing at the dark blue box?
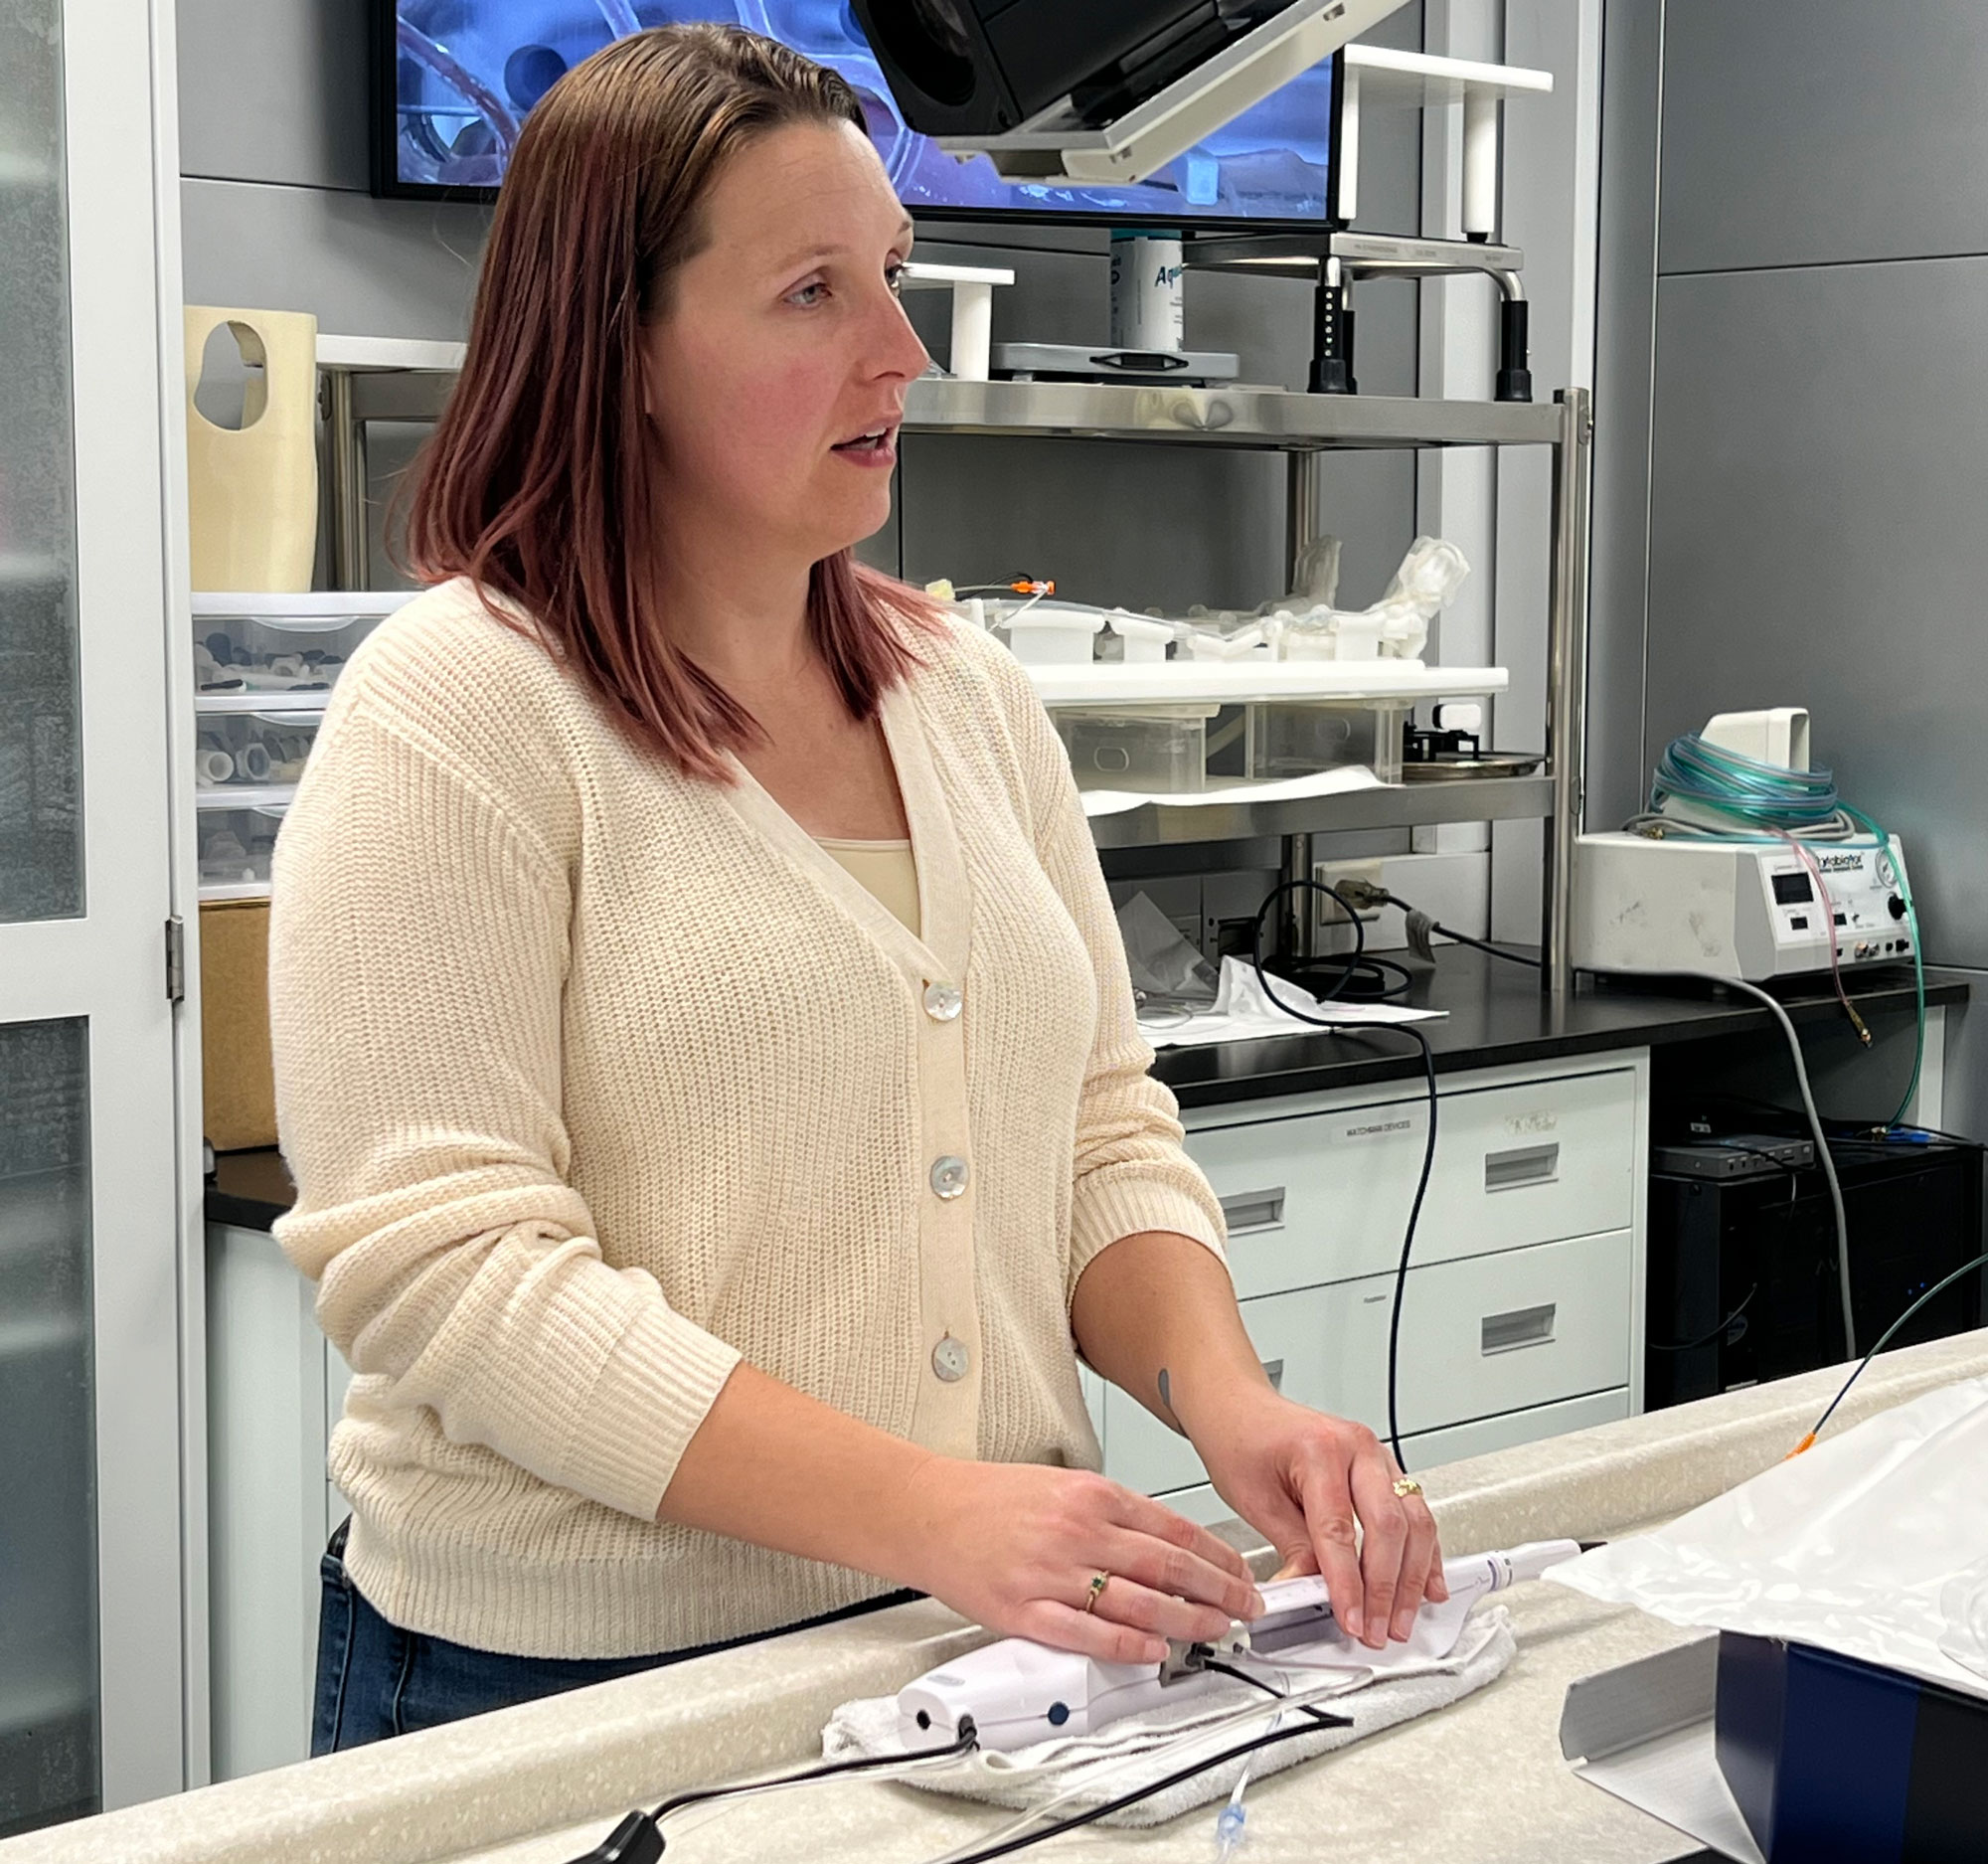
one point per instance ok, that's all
(1832, 1761)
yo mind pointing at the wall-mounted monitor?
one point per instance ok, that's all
(454, 78)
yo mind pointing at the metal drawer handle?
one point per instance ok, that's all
(1522, 1327)
(1253, 1209)
(1273, 1370)
(1523, 1164)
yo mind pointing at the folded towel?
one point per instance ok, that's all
(1169, 1738)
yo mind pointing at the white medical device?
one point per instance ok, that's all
(1749, 910)
(1016, 1692)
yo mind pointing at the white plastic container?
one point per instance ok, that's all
(1153, 750)
(1299, 738)
(1047, 635)
(1142, 639)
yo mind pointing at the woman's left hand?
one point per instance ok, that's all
(1302, 1479)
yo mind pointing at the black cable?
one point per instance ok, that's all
(1692, 1346)
(968, 1741)
(1480, 944)
(1428, 1150)
(1320, 1716)
(1356, 977)
(1885, 1339)
(639, 1840)
(1096, 1812)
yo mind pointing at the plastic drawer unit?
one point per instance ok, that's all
(249, 646)
(237, 843)
(1521, 1311)
(236, 750)
(1153, 750)
(264, 665)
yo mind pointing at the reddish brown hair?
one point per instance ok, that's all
(542, 467)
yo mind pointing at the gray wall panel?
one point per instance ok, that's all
(1816, 540)
(1625, 370)
(365, 268)
(274, 91)
(1812, 131)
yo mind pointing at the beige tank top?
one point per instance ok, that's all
(887, 870)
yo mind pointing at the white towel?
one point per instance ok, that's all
(1028, 1776)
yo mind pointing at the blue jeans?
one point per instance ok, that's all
(376, 1680)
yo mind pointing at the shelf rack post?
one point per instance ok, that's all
(1566, 654)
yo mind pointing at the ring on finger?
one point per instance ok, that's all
(1407, 1485)
(1098, 1582)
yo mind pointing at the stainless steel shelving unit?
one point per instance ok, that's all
(1305, 427)
(366, 382)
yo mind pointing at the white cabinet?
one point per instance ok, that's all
(1522, 1305)
(275, 1387)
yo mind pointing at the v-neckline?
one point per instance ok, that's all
(937, 951)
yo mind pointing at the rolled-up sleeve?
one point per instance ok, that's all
(1132, 1172)
(416, 1001)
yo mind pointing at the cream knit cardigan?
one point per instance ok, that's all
(595, 1078)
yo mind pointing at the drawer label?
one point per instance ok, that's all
(1379, 1126)
(1540, 1122)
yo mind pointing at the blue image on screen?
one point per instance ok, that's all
(467, 71)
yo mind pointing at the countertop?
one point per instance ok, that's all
(1497, 1014)
(1480, 1783)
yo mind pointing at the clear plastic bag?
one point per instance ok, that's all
(1869, 1545)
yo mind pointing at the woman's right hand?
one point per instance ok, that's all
(1014, 1547)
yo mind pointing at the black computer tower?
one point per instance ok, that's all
(1742, 1275)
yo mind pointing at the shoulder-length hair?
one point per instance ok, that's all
(540, 472)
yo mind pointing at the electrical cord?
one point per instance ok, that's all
(1320, 1716)
(1091, 1814)
(1422, 1042)
(1815, 1126)
(639, 1838)
(1884, 1340)
(1365, 893)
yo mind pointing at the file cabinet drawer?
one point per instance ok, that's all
(1482, 1337)
(1325, 1196)
(1432, 1450)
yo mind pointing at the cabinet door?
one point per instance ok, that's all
(94, 1694)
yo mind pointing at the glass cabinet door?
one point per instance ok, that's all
(93, 1700)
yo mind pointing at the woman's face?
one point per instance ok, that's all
(776, 375)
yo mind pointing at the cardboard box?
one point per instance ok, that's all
(239, 1088)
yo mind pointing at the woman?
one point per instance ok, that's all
(704, 1046)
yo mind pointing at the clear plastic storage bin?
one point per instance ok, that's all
(1162, 749)
(252, 750)
(248, 645)
(1299, 738)
(234, 850)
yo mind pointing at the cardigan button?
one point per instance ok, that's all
(944, 1002)
(948, 1177)
(950, 1359)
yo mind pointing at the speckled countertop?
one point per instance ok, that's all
(1482, 1783)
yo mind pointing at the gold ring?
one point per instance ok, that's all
(1098, 1584)
(1406, 1486)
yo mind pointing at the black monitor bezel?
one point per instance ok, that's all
(381, 16)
